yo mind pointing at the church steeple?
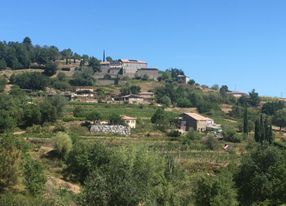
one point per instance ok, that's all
(103, 59)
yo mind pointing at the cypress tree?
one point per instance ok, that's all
(261, 129)
(270, 134)
(256, 132)
(245, 121)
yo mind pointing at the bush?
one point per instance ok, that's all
(10, 161)
(174, 133)
(79, 112)
(229, 134)
(215, 191)
(34, 177)
(63, 144)
(211, 142)
(130, 177)
(261, 177)
(115, 119)
(50, 69)
(183, 102)
(31, 80)
(190, 136)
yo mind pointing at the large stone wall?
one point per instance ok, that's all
(110, 129)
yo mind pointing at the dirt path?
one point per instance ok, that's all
(58, 183)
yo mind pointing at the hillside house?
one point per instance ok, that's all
(129, 121)
(148, 97)
(128, 99)
(237, 94)
(84, 95)
(197, 122)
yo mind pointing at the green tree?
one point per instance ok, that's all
(279, 118)
(130, 177)
(50, 69)
(94, 63)
(30, 80)
(270, 108)
(245, 121)
(109, 59)
(34, 177)
(27, 42)
(261, 179)
(48, 112)
(67, 54)
(10, 161)
(93, 116)
(191, 82)
(31, 115)
(79, 112)
(84, 158)
(83, 77)
(100, 94)
(3, 83)
(254, 98)
(215, 191)
(165, 100)
(115, 119)
(161, 119)
(63, 144)
(134, 89)
(61, 76)
(223, 90)
(3, 64)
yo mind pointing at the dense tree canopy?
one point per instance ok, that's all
(261, 179)
(30, 80)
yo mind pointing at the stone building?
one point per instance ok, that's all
(196, 121)
(130, 67)
(126, 67)
(150, 73)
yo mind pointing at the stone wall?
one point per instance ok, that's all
(104, 82)
(110, 129)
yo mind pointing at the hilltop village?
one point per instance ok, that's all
(76, 130)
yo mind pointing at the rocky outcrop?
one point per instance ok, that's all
(110, 129)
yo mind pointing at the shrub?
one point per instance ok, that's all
(229, 134)
(10, 160)
(174, 133)
(78, 112)
(34, 177)
(211, 142)
(63, 144)
(215, 190)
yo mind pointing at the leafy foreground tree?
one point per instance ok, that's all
(34, 177)
(130, 178)
(215, 191)
(125, 176)
(10, 161)
(261, 179)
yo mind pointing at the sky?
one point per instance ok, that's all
(239, 43)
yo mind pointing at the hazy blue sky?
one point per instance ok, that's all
(241, 43)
